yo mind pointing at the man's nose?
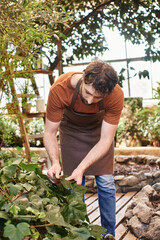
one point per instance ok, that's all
(90, 100)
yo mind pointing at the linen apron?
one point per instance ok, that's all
(79, 132)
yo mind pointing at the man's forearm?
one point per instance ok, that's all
(52, 148)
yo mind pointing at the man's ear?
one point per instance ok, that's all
(83, 75)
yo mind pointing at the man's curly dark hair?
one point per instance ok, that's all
(102, 75)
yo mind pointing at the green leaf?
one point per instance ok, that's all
(28, 167)
(22, 201)
(66, 184)
(61, 34)
(36, 201)
(4, 215)
(18, 232)
(35, 233)
(57, 232)
(27, 186)
(33, 210)
(9, 171)
(54, 216)
(97, 230)
(79, 234)
(32, 176)
(54, 201)
(19, 149)
(14, 209)
(79, 189)
(16, 161)
(4, 179)
(14, 189)
(74, 211)
(39, 172)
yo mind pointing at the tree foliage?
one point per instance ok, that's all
(28, 26)
(137, 21)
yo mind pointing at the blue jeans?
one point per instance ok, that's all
(107, 201)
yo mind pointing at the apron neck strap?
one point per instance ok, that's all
(76, 90)
(101, 105)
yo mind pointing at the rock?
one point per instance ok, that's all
(153, 231)
(156, 186)
(122, 159)
(157, 213)
(139, 229)
(125, 189)
(141, 176)
(118, 177)
(158, 162)
(128, 214)
(143, 212)
(149, 175)
(129, 181)
(158, 207)
(141, 197)
(148, 190)
(144, 218)
(143, 184)
(154, 197)
(156, 174)
(141, 159)
(157, 180)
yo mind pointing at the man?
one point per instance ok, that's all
(86, 107)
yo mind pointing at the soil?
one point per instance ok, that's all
(128, 169)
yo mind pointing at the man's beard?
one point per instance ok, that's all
(85, 101)
(82, 98)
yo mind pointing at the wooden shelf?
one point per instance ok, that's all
(35, 136)
(27, 95)
(37, 71)
(34, 114)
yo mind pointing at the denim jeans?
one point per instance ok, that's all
(107, 201)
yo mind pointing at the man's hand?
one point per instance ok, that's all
(55, 169)
(76, 175)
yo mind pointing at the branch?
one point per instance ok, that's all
(82, 20)
(45, 225)
(68, 30)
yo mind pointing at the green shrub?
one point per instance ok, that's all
(32, 206)
(9, 132)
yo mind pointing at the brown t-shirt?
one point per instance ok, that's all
(61, 94)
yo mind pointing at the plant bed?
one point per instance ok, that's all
(31, 207)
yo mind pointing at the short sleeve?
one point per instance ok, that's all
(54, 110)
(115, 103)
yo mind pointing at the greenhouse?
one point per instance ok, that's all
(79, 120)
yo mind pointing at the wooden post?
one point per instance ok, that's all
(20, 119)
(59, 54)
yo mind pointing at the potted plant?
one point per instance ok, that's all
(27, 95)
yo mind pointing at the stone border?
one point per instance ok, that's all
(136, 181)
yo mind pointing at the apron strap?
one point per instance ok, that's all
(76, 91)
(101, 105)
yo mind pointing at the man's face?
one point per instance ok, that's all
(89, 95)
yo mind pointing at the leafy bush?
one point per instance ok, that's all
(31, 207)
(128, 128)
(9, 132)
